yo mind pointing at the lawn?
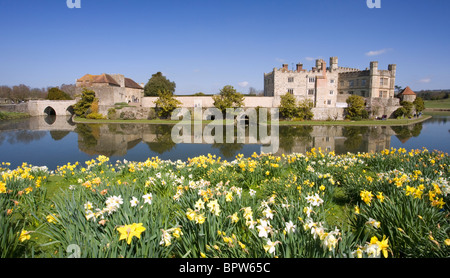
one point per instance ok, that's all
(437, 104)
(388, 122)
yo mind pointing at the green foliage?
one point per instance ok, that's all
(95, 116)
(400, 112)
(228, 98)
(419, 105)
(82, 106)
(158, 83)
(112, 114)
(290, 108)
(57, 94)
(166, 103)
(356, 106)
(409, 106)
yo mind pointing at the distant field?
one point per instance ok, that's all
(442, 103)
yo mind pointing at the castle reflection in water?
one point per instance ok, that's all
(118, 139)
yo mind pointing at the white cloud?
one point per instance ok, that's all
(378, 52)
(243, 84)
(196, 70)
(425, 80)
(279, 60)
(310, 58)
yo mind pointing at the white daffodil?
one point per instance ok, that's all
(148, 198)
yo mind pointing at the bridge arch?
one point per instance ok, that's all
(49, 111)
(70, 110)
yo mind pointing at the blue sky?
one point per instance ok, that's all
(204, 45)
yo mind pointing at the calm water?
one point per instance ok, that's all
(56, 141)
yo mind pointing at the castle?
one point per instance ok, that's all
(327, 87)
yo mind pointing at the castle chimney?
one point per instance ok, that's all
(324, 68)
(299, 67)
(285, 66)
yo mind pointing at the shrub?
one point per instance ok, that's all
(112, 114)
(127, 115)
(82, 106)
(166, 103)
(409, 106)
(152, 114)
(419, 105)
(400, 112)
(95, 116)
(356, 106)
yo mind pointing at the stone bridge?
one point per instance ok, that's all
(51, 107)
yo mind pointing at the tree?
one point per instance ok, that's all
(419, 104)
(82, 106)
(57, 94)
(288, 106)
(356, 105)
(158, 83)
(398, 89)
(166, 103)
(20, 92)
(408, 108)
(228, 98)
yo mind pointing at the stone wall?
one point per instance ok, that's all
(382, 106)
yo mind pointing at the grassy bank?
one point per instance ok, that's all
(12, 115)
(437, 104)
(389, 122)
(391, 204)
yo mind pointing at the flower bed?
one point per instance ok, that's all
(389, 204)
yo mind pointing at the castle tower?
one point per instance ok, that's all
(334, 63)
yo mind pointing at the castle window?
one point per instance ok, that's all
(363, 82)
(312, 79)
(383, 81)
(329, 102)
(291, 91)
(363, 93)
(290, 79)
(311, 92)
(331, 92)
(351, 83)
(332, 81)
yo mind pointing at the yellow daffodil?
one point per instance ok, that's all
(24, 235)
(129, 231)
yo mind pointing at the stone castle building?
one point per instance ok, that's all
(329, 87)
(112, 88)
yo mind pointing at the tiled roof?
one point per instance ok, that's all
(407, 91)
(105, 78)
(129, 83)
(87, 77)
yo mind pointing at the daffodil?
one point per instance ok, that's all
(148, 198)
(290, 227)
(24, 235)
(134, 202)
(234, 218)
(129, 231)
(270, 246)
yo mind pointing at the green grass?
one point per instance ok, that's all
(12, 115)
(389, 122)
(437, 104)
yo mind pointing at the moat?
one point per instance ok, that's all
(53, 141)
